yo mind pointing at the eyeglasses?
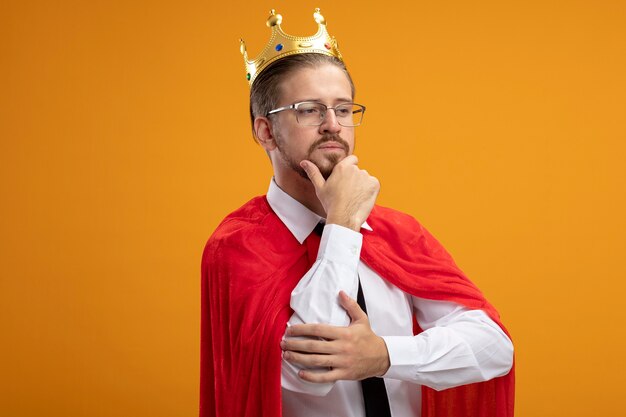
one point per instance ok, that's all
(312, 113)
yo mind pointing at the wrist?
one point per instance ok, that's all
(385, 362)
(344, 221)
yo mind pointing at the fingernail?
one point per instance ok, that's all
(282, 344)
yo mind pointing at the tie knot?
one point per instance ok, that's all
(319, 228)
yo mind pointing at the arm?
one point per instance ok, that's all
(347, 196)
(314, 300)
(458, 346)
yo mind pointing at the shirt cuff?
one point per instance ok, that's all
(341, 245)
(403, 356)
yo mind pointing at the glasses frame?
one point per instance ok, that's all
(295, 106)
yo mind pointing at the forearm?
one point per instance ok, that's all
(466, 348)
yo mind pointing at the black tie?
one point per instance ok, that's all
(374, 392)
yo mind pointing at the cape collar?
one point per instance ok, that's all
(299, 220)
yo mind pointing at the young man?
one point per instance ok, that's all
(317, 302)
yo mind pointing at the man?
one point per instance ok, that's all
(294, 272)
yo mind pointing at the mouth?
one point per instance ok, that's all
(330, 144)
(331, 147)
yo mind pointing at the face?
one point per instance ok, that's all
(324, 145)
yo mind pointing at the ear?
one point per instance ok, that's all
(263, 133)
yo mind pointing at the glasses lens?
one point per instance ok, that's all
(310, 114)
(349, 114)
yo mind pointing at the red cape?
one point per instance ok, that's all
(251, 264)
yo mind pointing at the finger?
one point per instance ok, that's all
(319, 376)
(352, 307)
(315, 330)
(310, 360)
(308, 346)
(314, 174)
(349, 160)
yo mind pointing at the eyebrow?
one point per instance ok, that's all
(339, 100)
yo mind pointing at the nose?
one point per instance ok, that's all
(330, 123)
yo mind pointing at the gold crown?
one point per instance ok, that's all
(281, 45)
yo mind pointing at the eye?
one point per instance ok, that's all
(308, 110)
(343, 111)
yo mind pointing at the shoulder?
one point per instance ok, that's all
(245, 228)
(385, 219)
(247, 218)
(251, 215)
(403, 233)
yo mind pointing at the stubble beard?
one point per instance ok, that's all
(332, 159)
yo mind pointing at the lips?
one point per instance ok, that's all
(330, 143)
(331, 147)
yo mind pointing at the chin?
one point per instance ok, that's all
(326, 164)
(327, 167)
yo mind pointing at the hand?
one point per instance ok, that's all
(354, 352)
(349, 193)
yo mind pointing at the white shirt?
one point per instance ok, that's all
(458, 345)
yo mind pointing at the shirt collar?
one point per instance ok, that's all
(299, 220)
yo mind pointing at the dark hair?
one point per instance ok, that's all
(265, 91)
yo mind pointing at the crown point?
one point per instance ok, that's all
(274, 19)
(319, 19)
(242, 47)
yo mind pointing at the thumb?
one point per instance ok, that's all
(352, 307)
(314, 174)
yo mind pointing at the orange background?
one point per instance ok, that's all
(125, 140)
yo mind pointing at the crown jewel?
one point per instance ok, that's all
(281, 45)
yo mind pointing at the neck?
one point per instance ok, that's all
(302, 190)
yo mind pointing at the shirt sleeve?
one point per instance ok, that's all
(458, 346)
(315, 298)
